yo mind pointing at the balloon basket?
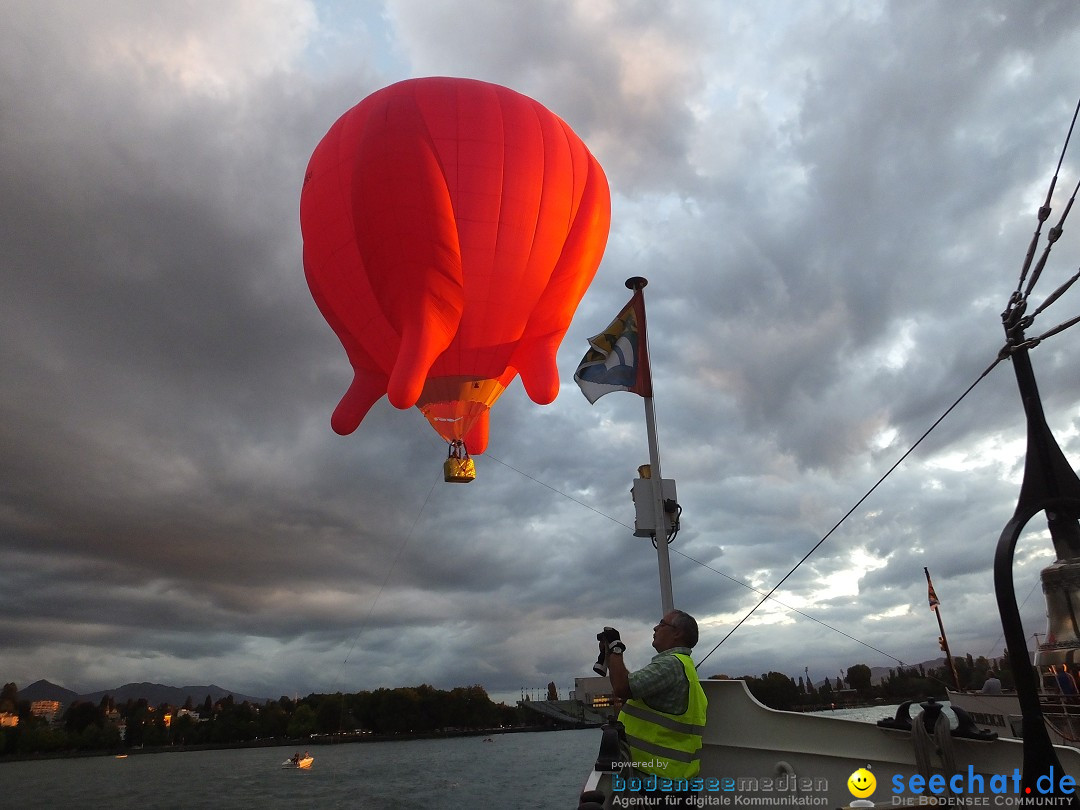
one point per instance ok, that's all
(458, 467)
(459, 470)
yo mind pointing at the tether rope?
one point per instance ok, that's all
(382, 586)
(393, 565)
(704, 565)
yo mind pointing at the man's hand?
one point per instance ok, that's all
(610, 641)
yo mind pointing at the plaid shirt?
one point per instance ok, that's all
(662, 682)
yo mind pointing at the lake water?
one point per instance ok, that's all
(542, 770)
(528, 770)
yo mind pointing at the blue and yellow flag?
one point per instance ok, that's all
(618, 359)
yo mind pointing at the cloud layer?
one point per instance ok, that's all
(831, 203)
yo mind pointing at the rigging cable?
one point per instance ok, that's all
(1054, 296)
(740, 582)
(858, 503)
(1044, 213)
(705, 565)
(1051, 237)
(1017, 300)
(793, 609)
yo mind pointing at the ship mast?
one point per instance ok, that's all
(1050, 485)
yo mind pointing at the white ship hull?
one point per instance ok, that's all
(753, 752)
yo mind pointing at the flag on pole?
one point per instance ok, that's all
(930, 594)
(618, 359)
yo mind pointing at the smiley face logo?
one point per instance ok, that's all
(862, 783)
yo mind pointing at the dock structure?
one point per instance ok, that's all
(569, 713)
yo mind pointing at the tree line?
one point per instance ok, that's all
(88, 726)
(780, 691)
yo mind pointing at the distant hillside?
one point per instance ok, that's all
(154, 693)
(43, 690)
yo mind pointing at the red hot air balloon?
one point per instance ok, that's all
(450, 229)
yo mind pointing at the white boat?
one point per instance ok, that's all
(753, 752)
(755, 756)
(1001, 713)
(303, 763)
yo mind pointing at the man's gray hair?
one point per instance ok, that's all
(685, 626)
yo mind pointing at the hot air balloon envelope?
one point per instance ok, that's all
(450, 229)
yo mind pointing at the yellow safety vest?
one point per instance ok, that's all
(668, 745)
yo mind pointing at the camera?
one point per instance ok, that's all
(607, 638)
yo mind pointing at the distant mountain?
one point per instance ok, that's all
(154, 693)
(43, 690)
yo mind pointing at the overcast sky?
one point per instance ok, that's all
(831, 202)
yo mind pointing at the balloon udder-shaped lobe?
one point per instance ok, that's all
(535, 362)
(425, 336)
(364, 391)
(476, 440)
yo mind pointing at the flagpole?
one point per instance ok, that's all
(667, 602)
(944, 641)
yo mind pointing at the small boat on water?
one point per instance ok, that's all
(297, 761)
(754, 755)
